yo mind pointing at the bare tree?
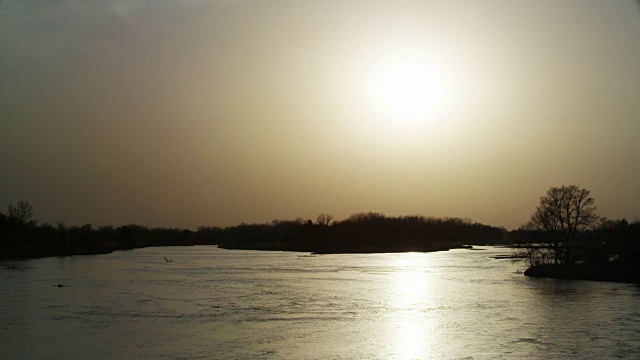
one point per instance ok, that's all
(562, 216)
(21, 212)
(324, 219)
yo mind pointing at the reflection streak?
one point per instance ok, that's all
(411, 325)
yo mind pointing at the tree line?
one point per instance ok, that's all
(362, 232)
(564, 229)
(22, 236)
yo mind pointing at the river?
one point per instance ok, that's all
(211, 303)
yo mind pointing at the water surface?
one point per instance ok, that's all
(226, 304)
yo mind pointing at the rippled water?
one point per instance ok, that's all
(214, 303)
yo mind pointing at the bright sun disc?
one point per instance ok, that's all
(409, 88)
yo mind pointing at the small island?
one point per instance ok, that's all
(615, 272)
(362, 233)
(566, 239)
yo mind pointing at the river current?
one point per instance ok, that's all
(211, 303)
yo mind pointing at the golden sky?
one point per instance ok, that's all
(187, 113)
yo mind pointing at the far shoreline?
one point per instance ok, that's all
(254, 247)
(339, 250)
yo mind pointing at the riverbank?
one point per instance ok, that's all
(614, 272)
(40, 252)
(341, 249)
(48, 251)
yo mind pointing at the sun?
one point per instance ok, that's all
(409, 87)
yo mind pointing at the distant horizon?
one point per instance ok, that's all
(312, 218)
(218, 112)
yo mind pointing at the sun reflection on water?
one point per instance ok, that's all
(412, 326)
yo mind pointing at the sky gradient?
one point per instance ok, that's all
(189, 113)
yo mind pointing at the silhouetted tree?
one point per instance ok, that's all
(21, 213)
(564, 214)
(324, 219)
(615, 240)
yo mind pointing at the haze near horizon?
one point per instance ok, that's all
(200, 112)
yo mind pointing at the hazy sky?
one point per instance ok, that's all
(186, 113)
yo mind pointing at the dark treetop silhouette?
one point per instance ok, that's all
(565, 238)
(362, 232)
